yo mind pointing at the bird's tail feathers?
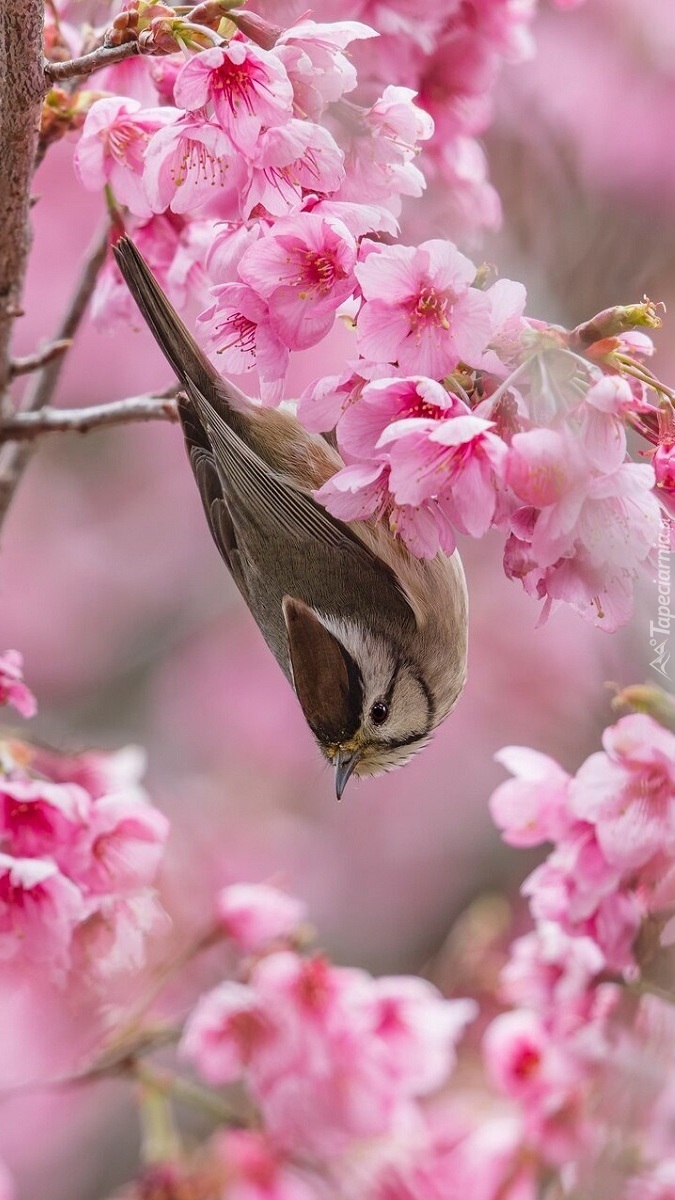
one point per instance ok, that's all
(188, 359)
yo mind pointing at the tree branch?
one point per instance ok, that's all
(35, 362)
(25, 426)
(74, 68)
(22, 89)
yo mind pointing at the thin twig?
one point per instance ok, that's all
(35, 362)
(75, 68)
(25, 426)
(14, 459)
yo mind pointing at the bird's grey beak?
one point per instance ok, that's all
(344, 762)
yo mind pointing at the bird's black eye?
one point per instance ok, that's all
(379, 712)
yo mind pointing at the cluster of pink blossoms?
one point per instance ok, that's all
(603, 904)
(80, 846)
(251, 171)
(613, 829)
(463, 416)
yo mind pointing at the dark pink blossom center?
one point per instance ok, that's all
(527, 1063)
(319, 272)
(431, 308)
(249, 1031)
(238, 83)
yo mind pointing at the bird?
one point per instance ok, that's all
(372, 639)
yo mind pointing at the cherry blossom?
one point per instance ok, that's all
(12, 688)
(421, 310)
(312, 55)
(113, 146)
(238, 328)
(303, 269)
(192, 162)
(254, 915)
(248, 88)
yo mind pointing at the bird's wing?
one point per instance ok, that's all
(250, 482)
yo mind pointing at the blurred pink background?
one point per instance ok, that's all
(132, 631)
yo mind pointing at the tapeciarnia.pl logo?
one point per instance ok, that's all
(659, 630)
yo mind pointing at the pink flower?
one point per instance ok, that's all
(127, 843)
(256, 1170)
(357, 492)
(112, 939)
(12, 688)
(323, 403)
(318, 70)
(380, 146)
(533, 807)
(525, 1063)
(458, 462)
(174, 249)
(604, 408)
(190, 163)
(542, 467)
(113, 145)
(419, 1031)
(248, 88)
(39, 819)
(289, 160)
(226, 1029)
(254, 915)
(553, 972)
(420, 309)
(383, 402)
(628, 792)
(238, 326)
(303, 269)
(39, 909)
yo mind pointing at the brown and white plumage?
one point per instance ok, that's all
(357, 624)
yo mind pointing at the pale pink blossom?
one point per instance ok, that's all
(385, 401)
(361, 490)
(303, 269)
(238, 328)
(113, 146)
(112, 939)
(458, 462)
(357, 492)
(526, 1064)
(190, 163)
(248, 88)
(256, 1170)
(323, 402)
(507, 305)
(13, 690)
(256, 914)
(421, 310)
(553, 972)
(224, 1032)
(39, 909)
(318, 70)
(628, 792)
(229, 242)
(127, 843)
(380, 145)
(533, 807)
(174, 248)
(288, 161)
